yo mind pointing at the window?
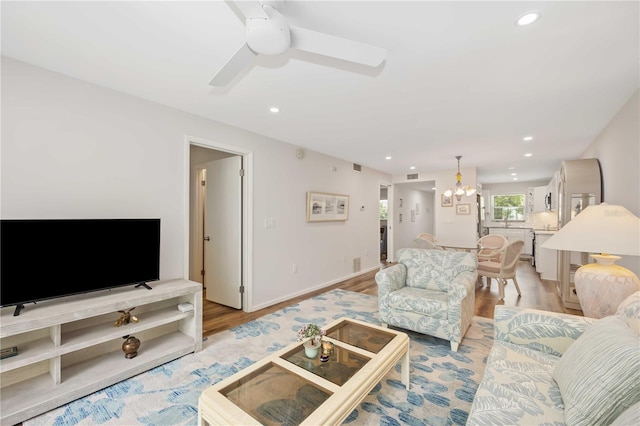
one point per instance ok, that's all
(508, 207)
(384, 208)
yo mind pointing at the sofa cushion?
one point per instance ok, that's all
(597, 375)
(630, 417)
(435, 269)
(424, 302)
(629, 311)
(517, 389)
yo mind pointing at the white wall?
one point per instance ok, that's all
(407, 231)
(618, 150)
(73, 149)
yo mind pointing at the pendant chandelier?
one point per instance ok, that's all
(459, 190)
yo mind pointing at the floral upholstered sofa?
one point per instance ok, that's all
(555, 369)
(429, 291)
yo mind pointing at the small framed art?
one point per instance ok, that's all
(463, 209)
(323, 207)
(447, 201)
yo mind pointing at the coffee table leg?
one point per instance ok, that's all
(405, 369)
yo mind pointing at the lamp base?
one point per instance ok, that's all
(602, 286)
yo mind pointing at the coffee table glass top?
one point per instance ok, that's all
(367, 338)
(275, 396)
(342, 364)
(289, 388)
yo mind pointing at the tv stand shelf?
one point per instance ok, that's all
(70, 347)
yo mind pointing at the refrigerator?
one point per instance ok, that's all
(579, 185)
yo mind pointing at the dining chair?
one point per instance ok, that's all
(490, 247)
(425, 244)
(428, 237)
(505, 269)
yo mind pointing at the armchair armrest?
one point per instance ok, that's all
(544, 331)
(389, 280)
(463, 285)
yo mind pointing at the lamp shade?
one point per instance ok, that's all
(600, 228)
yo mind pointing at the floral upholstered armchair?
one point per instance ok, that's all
(430, 292)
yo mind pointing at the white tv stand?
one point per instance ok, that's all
(69, 347)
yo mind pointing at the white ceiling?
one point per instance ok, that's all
(460, 78)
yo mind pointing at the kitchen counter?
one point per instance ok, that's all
(544, 231)
(524, 233)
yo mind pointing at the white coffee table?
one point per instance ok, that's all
(288, 388)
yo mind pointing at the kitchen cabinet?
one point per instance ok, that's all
(524, 234)
(546, 259)
(530, 202)
(539, 194)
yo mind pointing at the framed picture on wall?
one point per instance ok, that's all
(324, 207)
(463, 209)
(447, 201)
(413, 215)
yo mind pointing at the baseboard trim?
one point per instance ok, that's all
(312, 289)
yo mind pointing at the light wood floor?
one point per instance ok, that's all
(536, 293)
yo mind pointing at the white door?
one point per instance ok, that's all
(223, 232)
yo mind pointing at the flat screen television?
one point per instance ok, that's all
(48, 258)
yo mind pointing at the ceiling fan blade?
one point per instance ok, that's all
(250, 9)
(240, 60)
(336, 47)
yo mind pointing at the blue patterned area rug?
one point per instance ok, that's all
(443, 382)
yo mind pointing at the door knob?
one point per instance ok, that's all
(207, 239)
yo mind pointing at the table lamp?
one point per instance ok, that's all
(605, 229)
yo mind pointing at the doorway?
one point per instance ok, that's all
(219, 260)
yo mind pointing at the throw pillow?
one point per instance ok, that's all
(597, 375)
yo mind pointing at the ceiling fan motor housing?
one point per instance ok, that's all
(268, 36)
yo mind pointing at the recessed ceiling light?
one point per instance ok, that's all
(515, 178)
(514, 174)
(528, 18)
(274, 109)
(412, 167)
(528, 154)
(434, 188)
(388, 157)
(527, 138)
(511, 168)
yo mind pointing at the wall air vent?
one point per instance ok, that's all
(357, 167)
(412, 176)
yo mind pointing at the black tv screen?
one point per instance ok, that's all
(47, 258)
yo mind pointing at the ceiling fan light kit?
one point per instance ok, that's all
(267, 32)
(268, 36)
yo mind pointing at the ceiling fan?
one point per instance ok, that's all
(269, 33)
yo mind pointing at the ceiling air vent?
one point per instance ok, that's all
(412, 176)
(357, 167)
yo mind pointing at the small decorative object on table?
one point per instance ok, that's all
(126, 318)
(9, 352)
(315, 333)
(327, 350)
(130, 346)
